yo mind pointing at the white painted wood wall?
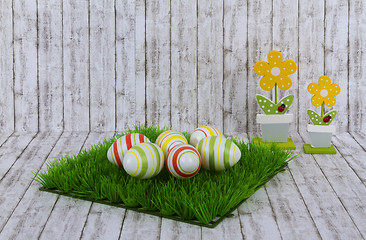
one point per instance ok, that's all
(104, 65)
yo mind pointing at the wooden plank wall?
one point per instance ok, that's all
(104, 65)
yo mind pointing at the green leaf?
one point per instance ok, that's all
(317, 120)
(270, 108)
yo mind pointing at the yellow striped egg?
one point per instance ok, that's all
(218, 153)
(169, 139)
(120, 147)
(203, 132)
(183, 161)
(144, 160)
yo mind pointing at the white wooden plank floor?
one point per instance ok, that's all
(318, 197)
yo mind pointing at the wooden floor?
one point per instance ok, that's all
(319, 197)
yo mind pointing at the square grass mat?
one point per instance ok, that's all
(204, 200)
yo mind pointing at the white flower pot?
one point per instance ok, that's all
(275, 127)
(320, 135)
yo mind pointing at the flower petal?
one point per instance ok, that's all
(288, 67)
(316, 100)
(324, 81)
(274, 58)
(284, 83)
(313, 88)
(267, 83)
(329, 101)
(261, 68)
(334, 89)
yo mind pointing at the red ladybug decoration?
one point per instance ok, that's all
(327, 119)
(281, 108)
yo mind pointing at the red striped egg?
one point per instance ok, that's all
(169, 139)
(183, 161)
(218, 153)
(203, 132)
(144, 160)
(120, 147)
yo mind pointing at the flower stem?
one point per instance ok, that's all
(322, 108)
(275, 93)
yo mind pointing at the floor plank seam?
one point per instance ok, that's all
(20, 154)
(7, 139)
(353, 170)
(355, 138)
(273, 212)
(30, 183)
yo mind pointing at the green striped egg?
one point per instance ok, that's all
(144, 160)
(218, 153)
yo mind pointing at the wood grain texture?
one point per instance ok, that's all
(11, 149)
(285, 39)
(38, 205)
(184, 65)
(50, 73)
(25, 66)
(76, 65)
(353, 153)
(210, 67)
(259, 45)
(292, 217)
(6, 67)
(140, 226)
(158, 79)
(356, 66)
(171, 229)
(350, 190)
(321, 200)
(336, 56)
(311, 54)
(102, 65)
(18, 179)
(235, 63)
(130, 63)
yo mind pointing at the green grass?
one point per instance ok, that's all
(203, 198)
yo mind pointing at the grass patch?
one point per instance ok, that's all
(205, 199)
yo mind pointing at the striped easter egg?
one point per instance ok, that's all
(169, 139)
(203, 132)
(183, 161)
(120, 147)
(218, 153)
(144, 160)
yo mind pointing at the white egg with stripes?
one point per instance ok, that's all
(169, 139)
(218, 153)
(203, 132)
(144, 160)
(183, 161)
(120, 147)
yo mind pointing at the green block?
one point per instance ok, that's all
(289, 145)
(308, 149)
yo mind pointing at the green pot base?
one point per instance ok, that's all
(308, 149)
(289, 145)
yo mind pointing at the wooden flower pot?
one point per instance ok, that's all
(275, 127)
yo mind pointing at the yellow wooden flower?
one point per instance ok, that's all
(324, 92)
(275, 71)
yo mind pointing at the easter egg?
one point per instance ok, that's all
(218, 153)
(120, 147)
(169, 139)
(183, 161)
(144, 160)
(203, 132)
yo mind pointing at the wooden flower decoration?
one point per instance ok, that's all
(275, 71)
(324, 92)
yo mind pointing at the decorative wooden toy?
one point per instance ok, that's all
(218, 153)
(120, 147)
(169, 139)
(203, 132)
(183, 161)
(321, 131)
(144, 160)
(275, 121)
